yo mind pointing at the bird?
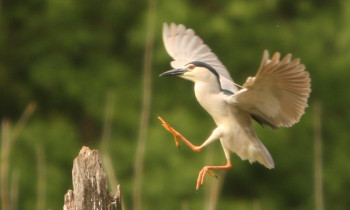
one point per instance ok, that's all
(276, 96)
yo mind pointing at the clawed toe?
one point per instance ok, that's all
(177, 143)
(201, 176)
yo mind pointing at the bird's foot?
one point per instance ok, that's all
(200, 179)
(171, 130)
(178, 136)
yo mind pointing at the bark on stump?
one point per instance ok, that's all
(90, 185)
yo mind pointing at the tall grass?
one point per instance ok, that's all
(9, 197)
(145, 110)
(41, 182)
(105, 154)
(318, 183)
(14, 189)
(214, 191)
(5, 153)
(106, 133)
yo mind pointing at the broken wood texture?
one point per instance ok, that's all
(90, 185)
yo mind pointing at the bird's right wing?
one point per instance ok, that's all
(184, 46)
(278, 94)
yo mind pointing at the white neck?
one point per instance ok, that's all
(207, 94)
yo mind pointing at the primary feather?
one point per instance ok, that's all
(278, 93)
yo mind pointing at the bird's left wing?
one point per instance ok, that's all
(278, 94)
(184, 46)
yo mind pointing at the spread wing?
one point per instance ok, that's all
(184, 46)
(278, 94)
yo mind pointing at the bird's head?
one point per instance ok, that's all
(195, 71)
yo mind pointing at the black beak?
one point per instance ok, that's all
(173, 72)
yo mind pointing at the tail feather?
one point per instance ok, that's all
(264, 157)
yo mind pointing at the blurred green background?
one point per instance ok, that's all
(74, 59)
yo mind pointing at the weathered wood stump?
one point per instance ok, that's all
(90, 185)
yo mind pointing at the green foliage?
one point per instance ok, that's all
(67, 55)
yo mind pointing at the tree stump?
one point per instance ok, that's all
(90, 185)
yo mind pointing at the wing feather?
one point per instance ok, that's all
(184, 46)
(279, 92)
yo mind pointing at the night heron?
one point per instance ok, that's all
(276, 96)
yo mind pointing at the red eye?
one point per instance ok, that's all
(191, 67)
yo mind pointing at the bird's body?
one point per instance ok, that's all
(234, 125)
(276, 96)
